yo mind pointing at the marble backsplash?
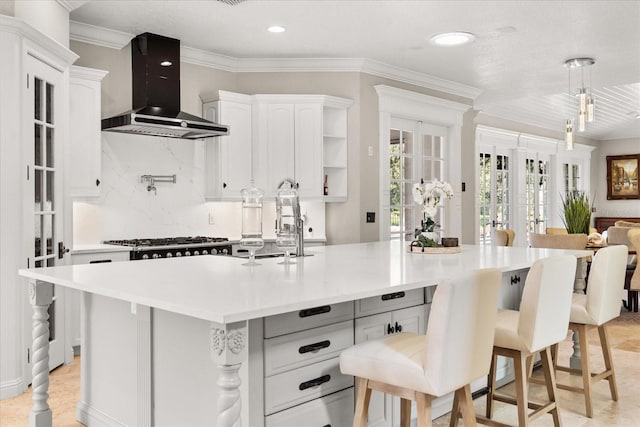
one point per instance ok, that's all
(127, 210)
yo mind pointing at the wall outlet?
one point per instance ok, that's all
(211, 221)
(370, 151)
(371, 217)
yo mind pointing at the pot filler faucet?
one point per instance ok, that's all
(288, 217)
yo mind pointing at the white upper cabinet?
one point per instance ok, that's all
(273, 137)
(229, 158)
(84, 166)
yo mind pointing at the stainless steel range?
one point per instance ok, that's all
(174, 247)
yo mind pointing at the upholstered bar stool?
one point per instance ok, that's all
(455, 350)
(541, 322)
(594, 310)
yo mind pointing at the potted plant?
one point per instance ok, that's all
(577, 212)
(428, 195)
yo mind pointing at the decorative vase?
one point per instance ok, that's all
(433, 235)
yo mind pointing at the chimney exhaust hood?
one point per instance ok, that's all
(155, 66)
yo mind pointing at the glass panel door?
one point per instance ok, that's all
(401, 177)
(45, 176)
(495, 192)
(537, 192)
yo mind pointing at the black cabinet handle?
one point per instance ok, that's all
(393, 295)
(97, 182)
(315, 311)
(398, 328)
(314, 347)
(99, 261)
(224, 185)
(389, 329)
(315, 382)
(515, 279)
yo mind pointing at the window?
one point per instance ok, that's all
(494, 183)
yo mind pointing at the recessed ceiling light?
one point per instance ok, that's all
(452, 39)
(276, 29)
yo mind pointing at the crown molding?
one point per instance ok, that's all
(75, 71)
(117, 40)
(98, 36)
(71, 5)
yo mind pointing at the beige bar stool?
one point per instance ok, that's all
(541, 322)
(634, 284)
(593, 310)
(455, 351)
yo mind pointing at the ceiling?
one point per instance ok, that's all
(516, 61)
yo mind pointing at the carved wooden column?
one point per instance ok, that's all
(40, 297)
(228, 351)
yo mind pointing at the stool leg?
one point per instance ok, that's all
(455, 410)
(586, 370)
(519, 362)
(608, 362)
(363, 394)
(466, 406)
(550, 381)
(405, 412)
(491, 382)
(424, 410)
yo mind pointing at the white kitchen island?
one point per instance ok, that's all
(132, 311)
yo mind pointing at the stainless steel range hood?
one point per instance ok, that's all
(155, 66)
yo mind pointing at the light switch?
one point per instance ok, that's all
(370, 151)
(211, 221)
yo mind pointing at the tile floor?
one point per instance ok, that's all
(624, 334)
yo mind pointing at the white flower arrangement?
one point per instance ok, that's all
(428, 195)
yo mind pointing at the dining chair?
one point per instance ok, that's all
(593, 310)
(455, 350)
(541, 322)
(634, 284)
(504, 237)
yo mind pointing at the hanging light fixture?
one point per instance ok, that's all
(568, 134)
(586, 100)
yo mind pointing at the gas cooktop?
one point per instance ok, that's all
(167, 241)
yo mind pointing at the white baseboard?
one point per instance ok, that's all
(89, 416)
(12, 388)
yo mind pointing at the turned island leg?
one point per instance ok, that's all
(40, 297)
(228, 351)
(575, 361)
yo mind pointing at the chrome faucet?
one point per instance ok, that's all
(299, 223)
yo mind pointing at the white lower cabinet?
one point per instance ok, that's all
(73, 296)
(334, 410)
(383, 410)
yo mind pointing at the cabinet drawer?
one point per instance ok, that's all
(334, 410)
(300, 385)
(306, 319)
(302, 348)
(89, 258)
(389, 301)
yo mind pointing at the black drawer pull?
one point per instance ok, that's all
(394, 295)
(314, 347)
(327, 425)
(515, 279)
(316, 382)
(99, 261)
(315, 311)
(389, 329)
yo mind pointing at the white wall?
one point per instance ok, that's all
(603, 206)
(127, 210)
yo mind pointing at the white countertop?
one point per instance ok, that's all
(221, 289)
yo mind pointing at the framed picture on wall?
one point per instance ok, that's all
(622, 177)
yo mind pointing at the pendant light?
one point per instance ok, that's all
(586, 100)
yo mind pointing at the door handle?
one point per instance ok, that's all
(62, 250)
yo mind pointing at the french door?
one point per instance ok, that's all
(43, 151)
(495, 183)
(537, 185)
(416, 151)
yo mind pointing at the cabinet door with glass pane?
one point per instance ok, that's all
(495, 183)
(43, 151)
